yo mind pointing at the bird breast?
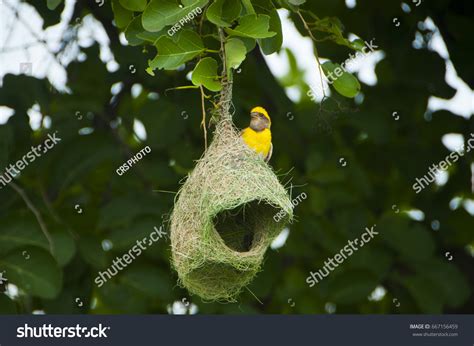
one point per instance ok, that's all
(260, 141)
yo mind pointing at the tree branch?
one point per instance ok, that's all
(35, 211)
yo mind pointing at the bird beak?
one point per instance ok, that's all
(254, 115)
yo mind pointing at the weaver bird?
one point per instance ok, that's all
(258, 135)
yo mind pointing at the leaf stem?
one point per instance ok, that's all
(315, 50)
(248, 6)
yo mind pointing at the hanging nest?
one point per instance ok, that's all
(223, 218)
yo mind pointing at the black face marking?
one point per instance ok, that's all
(259, 115)
(259, 122)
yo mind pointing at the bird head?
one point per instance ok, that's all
(259, 119)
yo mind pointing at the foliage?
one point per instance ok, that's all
(383, 158)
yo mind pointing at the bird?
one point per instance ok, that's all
(258, 135)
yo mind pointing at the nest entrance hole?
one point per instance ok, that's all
(241, 228)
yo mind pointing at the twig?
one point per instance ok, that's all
(225, 96)
(315, 50)
(22, 47)
(47, 202)
(253, 295)
(12, 25)
(164, 191)
(203, 121)
(53, 213)
(35, 35)
(35, 211)
(223, 56)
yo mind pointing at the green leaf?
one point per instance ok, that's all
(172, 54)
(455, 289)
(91, 250)
(25, 232)
(249, 43)
(297, 2)
(161, 13)
(148, 280)
(133, 30)
(205, 74)
(150, 36)
(52, 4)
(413, 242)
(427, 296)
(21, 234)
(125, 238)
(119, 297)
(122, 16)
(121, 211)
(331, 28)
(358, 44)
(7, 306)
(133, 5)
(39, 275)
(345, 84)
(235, 53)
(271, 44)
(149, 70)
(253, 26)
(64, 247)
(224, 12)
(351, 286)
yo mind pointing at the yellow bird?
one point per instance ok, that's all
(258, 135)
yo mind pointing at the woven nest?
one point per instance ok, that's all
(223, 218)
